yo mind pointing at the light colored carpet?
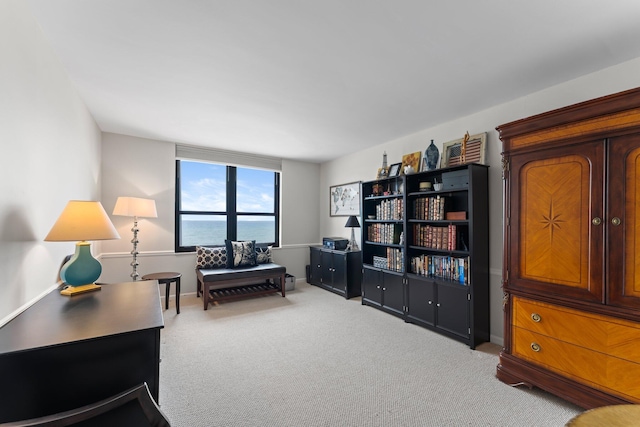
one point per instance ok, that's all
(316, 359)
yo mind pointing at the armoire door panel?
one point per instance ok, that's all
(559, 247)
(623, 222)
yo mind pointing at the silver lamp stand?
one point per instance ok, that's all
(134, 252)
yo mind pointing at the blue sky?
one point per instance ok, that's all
(203, 188)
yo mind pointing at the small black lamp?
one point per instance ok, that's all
(352, 222)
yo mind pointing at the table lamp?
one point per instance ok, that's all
(81, 221)
(352, 222)
(137, 208)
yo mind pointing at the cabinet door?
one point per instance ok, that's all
(339, 283)
(623, 221)
(327, 269)
(453, 309)
(556, 212)
(315, 276)
(372, 287)
(421, 301)
(393, 292)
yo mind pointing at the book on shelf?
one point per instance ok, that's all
(429, 208)
(455, 269)
(384, 233)
(390, 209)
(436, 237)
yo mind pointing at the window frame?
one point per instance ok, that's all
(231, 213)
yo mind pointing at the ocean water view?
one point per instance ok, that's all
(215, 232)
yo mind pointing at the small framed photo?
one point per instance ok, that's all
(394, 169)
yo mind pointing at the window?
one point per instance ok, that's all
(216, 202)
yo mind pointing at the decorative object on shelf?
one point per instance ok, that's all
(469, 149)
(344, 199)
(137, 208)
(352, 222)
(425, 186)
(412, 160)
(394, 169)
(81, 221)
(431, 157)
(437, 186)
(383, 171)
(408, 170)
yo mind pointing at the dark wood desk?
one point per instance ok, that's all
(64, 352)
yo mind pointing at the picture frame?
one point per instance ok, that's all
(413, 160)
(394, 169)
(344, 199)
(382, 173)
(475, 147)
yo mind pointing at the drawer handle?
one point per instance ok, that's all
(596, 221)
(616, 221)
(535, 317)
(535, 347)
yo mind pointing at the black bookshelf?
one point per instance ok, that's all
(425, 254)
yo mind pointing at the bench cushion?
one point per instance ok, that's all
(241, 253)
(211, 257)
(247, 272)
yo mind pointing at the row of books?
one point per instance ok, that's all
(444, 267)
(396, 259)
(390, 209)
(384, 233)
(430, 236)
(429, 208)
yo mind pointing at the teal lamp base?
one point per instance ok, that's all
(81, 271)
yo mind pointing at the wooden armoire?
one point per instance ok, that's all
(571, 274)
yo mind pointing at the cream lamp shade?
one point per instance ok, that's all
(137, 208)
(81, 221)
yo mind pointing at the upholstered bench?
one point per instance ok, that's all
(221, 276)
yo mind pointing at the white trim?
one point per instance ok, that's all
(172, 253)
(16, 312)
(227, 157)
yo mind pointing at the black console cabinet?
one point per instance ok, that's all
(336, 271)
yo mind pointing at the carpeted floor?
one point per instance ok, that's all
(316, 359)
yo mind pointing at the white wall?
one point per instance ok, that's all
(146, 168)
(50, 155)
(363, 165)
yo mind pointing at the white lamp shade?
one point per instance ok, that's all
(82, 220)
(135, 206)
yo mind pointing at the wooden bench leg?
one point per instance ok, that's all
(282, 284)
(205, 296)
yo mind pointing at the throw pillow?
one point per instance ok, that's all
(241, 253)
(263, 254)
(211, 257)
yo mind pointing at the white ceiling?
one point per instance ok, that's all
(314, 80)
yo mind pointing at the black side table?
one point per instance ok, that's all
(167, 278)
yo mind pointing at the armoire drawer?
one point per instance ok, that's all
(608, 335)
(599, 370)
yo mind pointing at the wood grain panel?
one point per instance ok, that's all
(632, 224)
(554, 239)
(598, 370)
(621, 120)
(604, 334)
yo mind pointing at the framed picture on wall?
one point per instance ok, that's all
(344, 199)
